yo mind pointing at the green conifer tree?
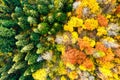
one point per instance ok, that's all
(24, 27)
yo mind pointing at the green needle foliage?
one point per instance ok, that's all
(24, 27)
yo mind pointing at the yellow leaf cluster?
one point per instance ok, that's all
(40, 74)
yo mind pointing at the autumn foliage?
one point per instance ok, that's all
(73, 56)
(102, 20)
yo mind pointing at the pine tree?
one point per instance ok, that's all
(27, 48)
(6, 39)
(18, 57)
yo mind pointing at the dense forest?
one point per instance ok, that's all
(59, 39)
